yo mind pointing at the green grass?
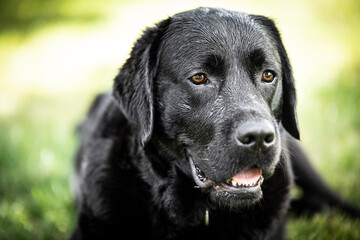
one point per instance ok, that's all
(331, 137)
(36, 157)
(329, 226)
(332, 132)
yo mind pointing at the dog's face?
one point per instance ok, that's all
(219, 99)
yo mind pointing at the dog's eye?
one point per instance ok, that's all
(199, 78)
(268, 76)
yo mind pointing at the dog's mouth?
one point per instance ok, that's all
(247, 181)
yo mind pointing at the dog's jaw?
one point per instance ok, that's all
(240, 190)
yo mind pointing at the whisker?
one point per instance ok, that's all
(289, 150)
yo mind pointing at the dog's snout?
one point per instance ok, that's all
(256, 134)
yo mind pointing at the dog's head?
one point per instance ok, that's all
(214, 87)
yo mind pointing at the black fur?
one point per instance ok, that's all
(141, 146)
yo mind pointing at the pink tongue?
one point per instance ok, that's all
(248, 176)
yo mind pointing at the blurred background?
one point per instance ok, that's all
(56, 55)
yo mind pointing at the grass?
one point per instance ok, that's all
(36, 151)
(331, 136)
(329, 226)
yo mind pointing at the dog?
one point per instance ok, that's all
(199, 137)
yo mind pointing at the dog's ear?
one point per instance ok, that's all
(133, 86)
(288, 116)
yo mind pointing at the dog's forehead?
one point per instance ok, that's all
(220, 32)
(200, 33)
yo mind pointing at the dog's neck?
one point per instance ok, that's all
(166, 177)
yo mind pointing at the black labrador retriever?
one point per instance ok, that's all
(197, 140)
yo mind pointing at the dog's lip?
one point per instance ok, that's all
(249, 180)
(203, 183)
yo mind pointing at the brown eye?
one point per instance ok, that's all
(268, 76)
(198, 78)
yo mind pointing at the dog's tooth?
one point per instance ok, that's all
(261, 180)
(234, 183)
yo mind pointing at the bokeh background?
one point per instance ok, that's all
(56, 55)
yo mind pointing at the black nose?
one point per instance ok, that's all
(256, 134)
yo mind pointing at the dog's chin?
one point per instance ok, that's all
(235, 201)
(243, 189)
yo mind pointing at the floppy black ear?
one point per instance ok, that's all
(289, 116)
(133, 86)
